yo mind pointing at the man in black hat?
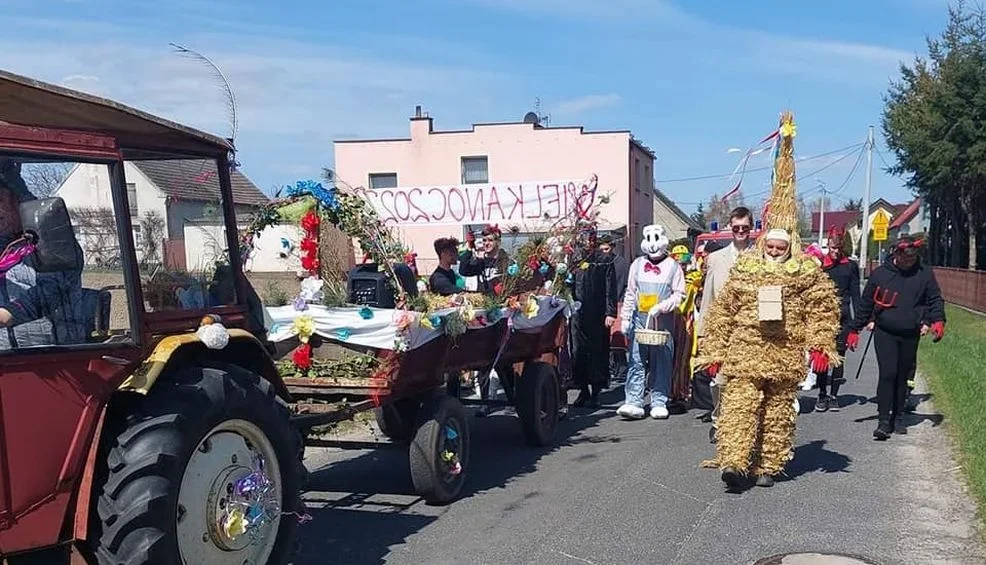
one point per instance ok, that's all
(618, 344)
(904, 302)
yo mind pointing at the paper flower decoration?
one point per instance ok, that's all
(792, 266)
(300, 304)
(584, 265)
(366, 313)
(425, 322)
(304, 326)
(403, 319)
(543, 269)
(788, 129)
(302, 357)
(311, 289)
(532, 307)
(213, 336)
(343, 333)
(513, 269)
(468, 312)
(436, 320)
(561, 268)
(235, 524)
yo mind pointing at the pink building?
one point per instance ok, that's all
(440, 183)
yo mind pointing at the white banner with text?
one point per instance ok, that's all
(493, 203)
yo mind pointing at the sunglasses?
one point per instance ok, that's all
(742, 229)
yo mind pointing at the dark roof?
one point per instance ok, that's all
(676, 210)
(198, 180)
(838, 219)
(906, 214)
(28, 102)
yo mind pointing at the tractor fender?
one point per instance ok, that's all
(244, 350)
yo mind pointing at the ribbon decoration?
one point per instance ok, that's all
(751, 152)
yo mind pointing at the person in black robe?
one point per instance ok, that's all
(618, 343)
(844, 273)
(594, 286)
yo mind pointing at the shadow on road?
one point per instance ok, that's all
(813, 457)
(361, 530)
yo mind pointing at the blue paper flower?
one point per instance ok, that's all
(513, 269)
(300, 304)
(543, 268)
(569, 278)
(450, 433)
(343, 333)
(436, 321)
(365, 312)
(327, 197)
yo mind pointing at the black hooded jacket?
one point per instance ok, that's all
(845, 277)
(898, 301)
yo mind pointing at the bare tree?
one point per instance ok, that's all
(97, 234)
(152, 238)
(43, 179)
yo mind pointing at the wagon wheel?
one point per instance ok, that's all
(537, 403)
(397, 419)
(439, 453)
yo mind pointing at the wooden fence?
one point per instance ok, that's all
(963, 287)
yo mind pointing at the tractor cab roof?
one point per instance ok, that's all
(139, 135)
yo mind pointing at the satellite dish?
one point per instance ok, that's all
(531, 118)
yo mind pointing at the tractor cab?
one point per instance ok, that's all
(118, 243)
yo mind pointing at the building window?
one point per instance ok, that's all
(132, 199)
(636, 174)
(475, 170)
(648, 179)
(383, 180)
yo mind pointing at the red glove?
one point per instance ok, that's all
(819, 362)
(852, 341)
(938, 328)
(713, 369)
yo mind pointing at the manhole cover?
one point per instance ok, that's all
(815, 559)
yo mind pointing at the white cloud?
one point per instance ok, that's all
(586, 103)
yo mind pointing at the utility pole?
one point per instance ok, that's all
(865, 237)
(821, 213)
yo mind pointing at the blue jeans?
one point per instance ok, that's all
(649, 365)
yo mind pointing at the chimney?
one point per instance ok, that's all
(420, 124)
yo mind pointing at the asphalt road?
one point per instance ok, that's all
(615, 492)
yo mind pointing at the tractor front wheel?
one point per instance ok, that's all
(206, 471)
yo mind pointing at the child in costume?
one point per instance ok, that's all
(844, 273)
(776, 305)
(655, 289)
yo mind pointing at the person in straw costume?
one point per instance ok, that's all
(776, 305)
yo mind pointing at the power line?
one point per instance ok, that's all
(765, 168)
(882, 158)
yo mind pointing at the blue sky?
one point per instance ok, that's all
(689, 79)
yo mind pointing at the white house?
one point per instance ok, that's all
(183, 194)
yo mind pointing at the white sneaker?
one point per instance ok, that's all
(631, 412)
(659, 412)
(797, 406)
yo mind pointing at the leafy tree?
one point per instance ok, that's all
(718, 210)
(933, 122)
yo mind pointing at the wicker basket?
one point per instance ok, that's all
(652, 337)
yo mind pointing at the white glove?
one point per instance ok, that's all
(624, 326)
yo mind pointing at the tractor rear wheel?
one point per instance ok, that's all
(205, 471)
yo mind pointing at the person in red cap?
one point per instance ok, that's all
(904, 302)
(844, 273)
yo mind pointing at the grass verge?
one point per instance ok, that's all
(954, 369)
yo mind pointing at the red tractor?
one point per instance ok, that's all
(141, 417)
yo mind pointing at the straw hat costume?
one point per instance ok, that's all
(771, 311)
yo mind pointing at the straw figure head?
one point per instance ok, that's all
(782, 206)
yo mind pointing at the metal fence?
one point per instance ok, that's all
(963, 287)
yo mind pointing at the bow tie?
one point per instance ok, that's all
(652, 268)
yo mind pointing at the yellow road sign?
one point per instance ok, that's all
(881, 222)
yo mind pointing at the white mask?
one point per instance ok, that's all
(654, 242)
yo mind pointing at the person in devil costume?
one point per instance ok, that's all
(904, 302)
(844, 273)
